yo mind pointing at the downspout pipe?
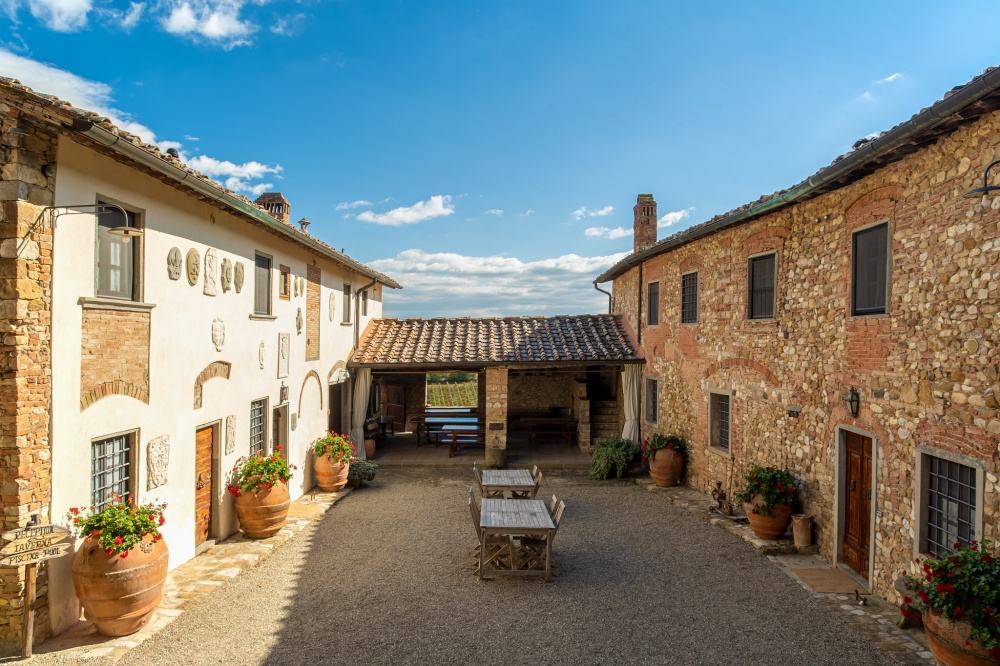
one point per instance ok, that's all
(604, 292)
(357, 310)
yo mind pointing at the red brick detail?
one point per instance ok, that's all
(743, 363)
(765, 240)
(211, 371)
(114, 355)
(312, 313)
(874, 206)
(869, 343)
(866, 421)
(118, 387)
(319, 385)
(955, 438)
(692, 263)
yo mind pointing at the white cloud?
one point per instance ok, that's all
(61, 15)
(218, 168)
(448, 284)
(215, 20)
(127, 19)
(436, 206)
(495, 211)
(527, 213)
(188, 137)
(583, 212)
(673, 217)
(349, 205)
(605, 232)
(891, 78)
(289, 26)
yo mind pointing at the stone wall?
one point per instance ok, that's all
(542, 391)
(496, 416)
(926, 371)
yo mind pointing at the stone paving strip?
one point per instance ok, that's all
(875, 620)
(191, 582)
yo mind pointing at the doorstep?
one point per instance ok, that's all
(192, 581)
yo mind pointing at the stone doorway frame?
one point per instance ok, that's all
(215, 531)
(840, 499)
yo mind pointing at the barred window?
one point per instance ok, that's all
(653, 304)
(951, 505)
(761, 287)
(689, 298)
(651, 402)
(257, 429)
(718, 418)
(110, 469)
(869, 271)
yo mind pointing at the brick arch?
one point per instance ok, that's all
(750, 364)
(211, 371)
(693, 263)
(866, 421)
(771, 238)
(319, 387)
(339, 365)
(873, 206)
(117, 387)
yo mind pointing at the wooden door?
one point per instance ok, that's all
(395, 405)
(203, 485)
(857, 492)
(336, 406)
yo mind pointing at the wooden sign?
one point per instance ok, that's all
(34, 531)
(35, 556)
(31, 543)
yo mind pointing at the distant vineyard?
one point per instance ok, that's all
(451, 395)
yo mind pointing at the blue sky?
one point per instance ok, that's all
(488, 155)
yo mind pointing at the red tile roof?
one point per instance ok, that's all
(465, 342)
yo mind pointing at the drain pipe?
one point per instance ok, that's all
(604, 292)
(357, 310)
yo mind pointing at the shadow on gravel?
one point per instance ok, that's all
(389, 579)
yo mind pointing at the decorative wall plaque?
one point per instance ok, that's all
(218, 334)
(175, 262)
(294, 421)
(226, 275)
(261, 354)
(230, 434)
(298, 322)
(295, 285)
(333, 302)
(157, 461)
(193, 266)
(284, 345)
(238, 276)
(211, 272)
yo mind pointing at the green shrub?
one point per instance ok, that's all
(612, 455)
(362, 470)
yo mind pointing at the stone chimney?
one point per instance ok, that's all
(644, 227)
(276, 205)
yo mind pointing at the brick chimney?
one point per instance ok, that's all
(644, 227)
(276, 205)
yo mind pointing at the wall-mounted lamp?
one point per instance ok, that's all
(283, 393)
(793, 411)
(853, 401)
(987, 190)
(126, 232)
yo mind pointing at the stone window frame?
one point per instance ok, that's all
(263, 402)
(138, 248)
(922, 488)
(749, 290)
(852, 312)
(347, 319)
(284, 282)
(651, 387)
(133, 464)
(270, 262)
(728, 394)
(652, 305)
(697, 297)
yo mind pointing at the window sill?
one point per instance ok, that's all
(721, 452)
(347, 323)
(114, 304)
(872, 315)
(262, 317)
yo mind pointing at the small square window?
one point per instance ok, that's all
(689, 298)
(653, 304)
(258, 427)
(262, 285)
(870, 270)
(651, 399)
(284, 282)
(718, 419)
(761, 279)
(347, 303)
(111, 469)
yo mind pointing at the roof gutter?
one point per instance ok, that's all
(888, 142)
(221, 196)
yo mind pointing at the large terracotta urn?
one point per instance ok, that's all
(262, 512)
(331, 476)
(666, 468)
(952, 644)
(772, 526)
(119, 594)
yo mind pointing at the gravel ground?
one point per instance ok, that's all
(387, 578)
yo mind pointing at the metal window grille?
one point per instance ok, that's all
(111, 467)
(651, 400)
(689, 298)
(870, 270)
(720, 420)
(257, 427)
(951, 505)
(653, 305)
(762, 287)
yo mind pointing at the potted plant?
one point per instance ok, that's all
(260, 485)
(119, 571)
(361, 471)
(665, 456)
(958, 597)
(333, 460)
(611, 455)
(769, 496)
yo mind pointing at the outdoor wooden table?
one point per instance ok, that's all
(517, 518)
(540, 426)
(503, 480)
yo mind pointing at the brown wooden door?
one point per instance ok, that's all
(203, 485)
(336, 405)
(858, 503)
(395, 405)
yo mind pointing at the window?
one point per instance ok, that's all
(651, 403)
(653, 304)
(869, 270)
(718, 419)
(950, 503)
(689, 298)
(117, 260)
(284, 280)
(262, 285)
(258, 443)
(761, 292)
(347, 303)
(364, 303)
(110, 469)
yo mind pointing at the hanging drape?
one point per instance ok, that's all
(631, 381)
(362, 389)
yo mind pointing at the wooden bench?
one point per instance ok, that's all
(465, 437)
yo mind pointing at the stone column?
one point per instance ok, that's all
(496, 416)
(25, 354)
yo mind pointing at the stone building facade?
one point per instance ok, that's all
(752, 377)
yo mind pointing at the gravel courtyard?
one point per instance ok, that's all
(387, 578)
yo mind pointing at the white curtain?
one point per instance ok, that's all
(362, 388)
(631, 381)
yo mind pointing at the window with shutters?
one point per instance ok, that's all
(347, 303)
(118, 259)
(718, 420)
(761, 279)
(950, 503)
(262, 285)
(870, 270)
(689, 298)
(111, 469)
(651, 402)
(653, 304)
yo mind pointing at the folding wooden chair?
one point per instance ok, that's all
(531, 550)
(497, 549)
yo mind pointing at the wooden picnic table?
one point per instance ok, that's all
(512, 518)
(503, 480)
(540, 426)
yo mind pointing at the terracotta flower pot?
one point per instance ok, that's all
(369, 448)
(666, 468)
(262, 513)
(951, 643)
(330, 476)
(768, 527)
(119, 594)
